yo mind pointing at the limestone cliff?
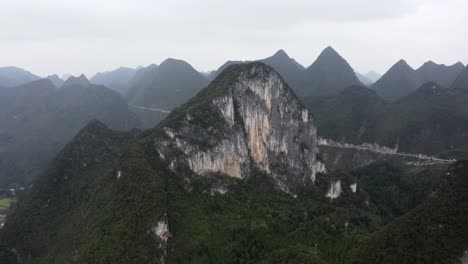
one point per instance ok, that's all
(247, 117)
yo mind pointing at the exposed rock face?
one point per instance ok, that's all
(162, 233)
(258, 119)
(335, 190)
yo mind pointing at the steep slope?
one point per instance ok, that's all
(435, 232)
(79, 193)
(254, 119)
(14, 76)
(432, 120)
(287, 67)
(399, 81)
(117, 80)
(328, 75)
(350, 116)
(439, 73)
(461, 82)
(38, 119)
(159, 90)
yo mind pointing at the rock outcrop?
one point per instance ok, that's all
(255, 119)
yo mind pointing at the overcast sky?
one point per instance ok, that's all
(87, 36)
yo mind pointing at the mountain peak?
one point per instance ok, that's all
(173, 62)
(329, 52)
(321, 76)
(12, 76)
(462, 80)
(402, 64)
(329, 56)
(245, 111)
(459, 64)
(429, 63)
(169, 65)
(56, 80)
(81, 80)
(281, 54)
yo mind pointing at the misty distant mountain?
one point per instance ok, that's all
(287, 67)
(207, 74)
(462, 80)
(373, 76)
(142, 75)
(431, 120)
(439, 73)
(214, 74)
(400, 80)
(328, 75)
(350, 116)
(56, 80)
(80, 81)
(157, 90)
(362, 78)
(117, 80)
(167, 86)
(14, 76)
(38, 120)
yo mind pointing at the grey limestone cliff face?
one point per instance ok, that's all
(254, 120)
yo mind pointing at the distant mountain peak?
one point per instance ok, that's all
(172, 61)
(321, 77)
(373, 75)
(56, 80)
(329, 52)
(459, 64)
(462, 80)
(331, 57)
(81, 80)
(281, 54)
(402, 64)
(12, 76)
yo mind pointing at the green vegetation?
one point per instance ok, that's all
(435, 232)
(102, 198)
(93, 217)
(253, 224)
(5, 204)
(37, 120)
(432, 120)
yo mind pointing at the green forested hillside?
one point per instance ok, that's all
(435, 232)
(37, 120)
(432, 120)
